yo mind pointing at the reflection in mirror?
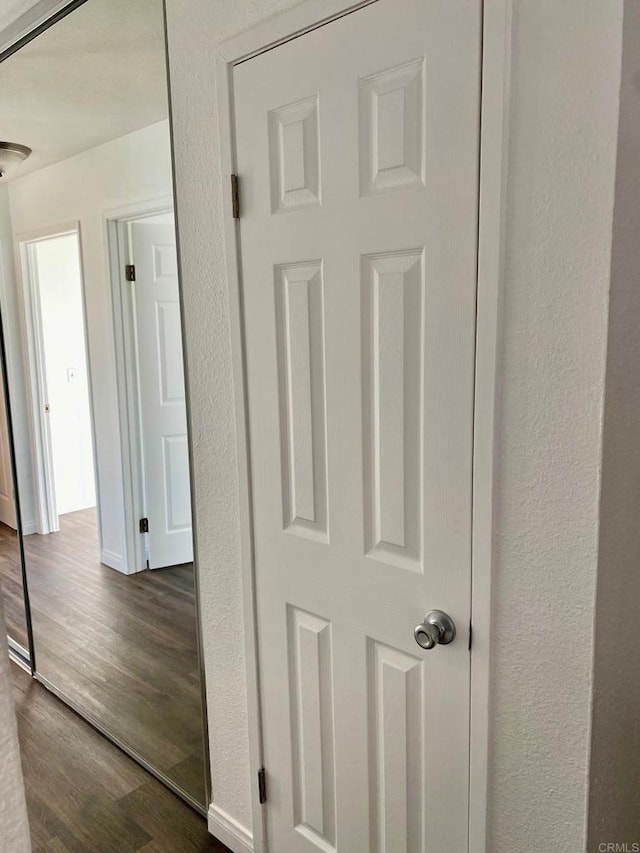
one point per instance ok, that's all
(96, 371)
(11, 587)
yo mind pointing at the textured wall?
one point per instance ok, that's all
(563, 126)
(14, 827)
(614, 814)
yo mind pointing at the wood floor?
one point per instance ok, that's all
(86, 796)
(123, 648)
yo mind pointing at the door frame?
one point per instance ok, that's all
(494, 97)
(46, 511)
(116, 228)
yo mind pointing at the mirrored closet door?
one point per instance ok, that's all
(13, 592)
(90, 294)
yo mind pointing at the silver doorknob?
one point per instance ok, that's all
(437, 629)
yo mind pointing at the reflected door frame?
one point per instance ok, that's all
(116, 227)
(47, 520)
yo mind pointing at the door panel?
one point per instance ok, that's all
(300, 332)
(162, 395)
(357, 151)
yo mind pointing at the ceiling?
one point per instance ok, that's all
(94, 76)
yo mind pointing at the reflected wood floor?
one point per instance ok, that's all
(84, 795)
(123, 648)
(11, 585)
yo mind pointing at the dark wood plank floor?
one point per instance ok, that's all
(85, 795)
(122, 647)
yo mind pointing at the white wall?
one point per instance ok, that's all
(14, 825)
(133, 169)
(59, 286)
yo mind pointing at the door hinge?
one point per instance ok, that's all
(470, 635)
(130, 272)
(144, 525)
(262, 786)
(235, 197)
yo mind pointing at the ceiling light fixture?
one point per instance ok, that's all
(11, 154)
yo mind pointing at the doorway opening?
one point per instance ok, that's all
(63, 430)
(60, 392)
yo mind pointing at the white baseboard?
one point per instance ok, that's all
(230, 831)
(28, 527)
(114, 561)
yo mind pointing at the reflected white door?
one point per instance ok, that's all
(162, 397)
(357, 154)
(7, 505)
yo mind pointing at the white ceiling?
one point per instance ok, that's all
(96, 75)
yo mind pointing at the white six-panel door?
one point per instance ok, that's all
(163, 413)
(357, 153)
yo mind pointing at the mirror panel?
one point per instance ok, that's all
(11, 578)
(96, 378)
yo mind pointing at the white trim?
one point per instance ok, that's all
(118, 249)
(496, 64)
(45, 506)
(28, 527)
(115, 254)
(285, 26)
(228, 830)
(140, 209)
(114, 561)
(254, 711)
(132, 488)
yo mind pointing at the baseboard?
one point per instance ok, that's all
(28, 527)
(114, 561)
(230, 831)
